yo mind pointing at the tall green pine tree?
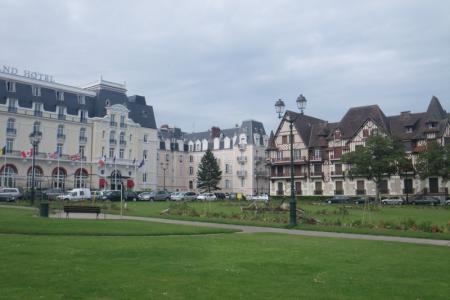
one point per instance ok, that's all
(209, 173)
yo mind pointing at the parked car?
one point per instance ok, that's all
(177, 196)
(425, 200)
(11, 192)
(362, 200)
(190, 196)
(77, 194)
(97, 195)
(144, 196)
(207, 197)
(7, 197)
(392, 201)
(159, 196)
(52, 194)
(220, 196)
(260, 197)
(338, 199)
(447, 202)
(130, 196)
(111, 195)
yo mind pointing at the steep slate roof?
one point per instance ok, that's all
(271, 144)
(435, 112)
(303, 124)
(139, 112)
(355, 118)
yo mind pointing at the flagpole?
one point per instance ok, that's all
(4, 169)
(57, 179)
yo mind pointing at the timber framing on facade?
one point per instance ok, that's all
(319, 146)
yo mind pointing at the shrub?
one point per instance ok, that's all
(425, 226)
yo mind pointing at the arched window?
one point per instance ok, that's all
(8, 176)
(81, 177)
(38, 175)
(116, 180)
(59, 178)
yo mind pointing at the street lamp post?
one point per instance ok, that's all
(164, 176)
(35, 139)
(279, 108)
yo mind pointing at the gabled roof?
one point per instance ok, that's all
(435, 112)
(355, 118)
(303, 124)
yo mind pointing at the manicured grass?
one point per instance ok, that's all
(386, 220)
(238, 266)
(18, 221)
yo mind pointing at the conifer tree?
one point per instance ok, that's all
(209, 173)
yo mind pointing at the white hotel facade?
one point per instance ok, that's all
(95, 121)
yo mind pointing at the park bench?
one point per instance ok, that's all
(81, 209)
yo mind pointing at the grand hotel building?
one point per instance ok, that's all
(104, 138)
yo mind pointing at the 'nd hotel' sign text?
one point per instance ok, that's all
(26, 73)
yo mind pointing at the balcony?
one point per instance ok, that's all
(258, 159)
(61, 117)
(315, 158)
(38, 113)
(242, 159)
(337, 174)
(316, 174)
(339, 192)
(112, 141)
(11, 131)
(61, 137)
(241, 173)
(287, 160)
(123, 125)
(360, 192)
(12, 109)
(242, 147)
(318, 192)
(82, 139)
(113, 124)
(288, 174)
(123, 143)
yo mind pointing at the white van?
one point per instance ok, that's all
(76, 195)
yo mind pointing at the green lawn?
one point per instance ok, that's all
(411, 221)
(18, 221)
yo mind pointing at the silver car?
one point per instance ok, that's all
(392, 201)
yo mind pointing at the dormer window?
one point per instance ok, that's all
(81, 100)
(431, 125)
(59, 96)
(38, 109)
(409, 129)
(365, 133)
(11, 86)
(337, 135)
(36, 90)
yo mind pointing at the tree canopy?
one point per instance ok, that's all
(380, 158)
(434, 161)
(209, 173)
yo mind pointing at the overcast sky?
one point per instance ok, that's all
(205, 63)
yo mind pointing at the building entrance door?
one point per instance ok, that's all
(434, 185)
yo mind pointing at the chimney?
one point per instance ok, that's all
(215, 132)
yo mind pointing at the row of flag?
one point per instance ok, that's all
(74, 157)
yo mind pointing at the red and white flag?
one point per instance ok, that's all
(75, 157)
(27, 153)
(53, 155)
(101, 161)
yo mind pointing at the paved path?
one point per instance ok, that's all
(256, 229)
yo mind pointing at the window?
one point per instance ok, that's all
(59, 149)
(36, 127)
(191, 158)
(298, 188)
(81, 100)
(431, 125)
(36, 90)
(409, 129)
(144, 177)
(38, 109)
(83, 116)
(337, 135)
(12, 105)
(145, 138)
(131, 137)
(113, 120)
(111, 152)
(227, 184)
(82, 133)
(360, 187)
(59, 96)
(191, 184)
(122, 121)
(60, 132)
(181, 158)
(167, 157)
(9, 145)
(103, 151)
(8, 178)
(242, 182)
(144, 154)
(122, 137)
(191, 148)
(339, 188)
(10, 124)
(112, 135)
(227, 169)
(284, 139)
(365, 133)
(317, 153)
(318, 186)
(81, 151)
(191, 171)
(11, 86)
(121, 153)
(297, 154)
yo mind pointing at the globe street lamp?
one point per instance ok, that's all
(35, 139)
(290, 118)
